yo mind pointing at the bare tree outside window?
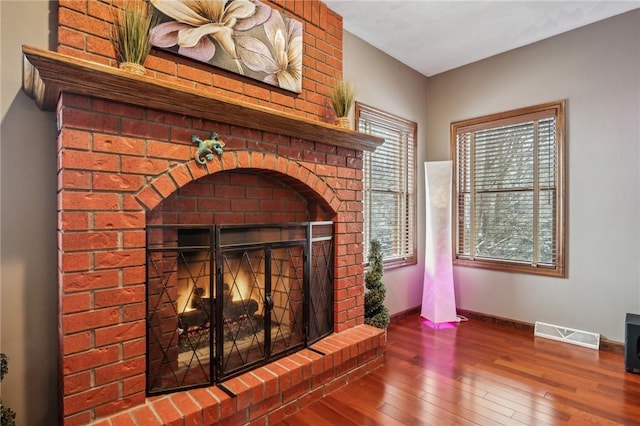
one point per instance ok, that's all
(389, 185)
(509, 171)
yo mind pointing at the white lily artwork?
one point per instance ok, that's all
(243, 36)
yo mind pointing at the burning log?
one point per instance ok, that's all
(200, 316)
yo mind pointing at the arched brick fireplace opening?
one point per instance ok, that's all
(239, 274)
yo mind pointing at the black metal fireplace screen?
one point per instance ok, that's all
(222, 300)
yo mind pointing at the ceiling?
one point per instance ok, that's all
(436, 36)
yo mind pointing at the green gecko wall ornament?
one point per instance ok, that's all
(207, 147)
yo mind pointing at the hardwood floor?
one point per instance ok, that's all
(482, 374)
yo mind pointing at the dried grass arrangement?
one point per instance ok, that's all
(342, 98)
(130, 34)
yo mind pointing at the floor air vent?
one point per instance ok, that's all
(568, 335)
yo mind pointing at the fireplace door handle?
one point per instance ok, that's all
(268, 301)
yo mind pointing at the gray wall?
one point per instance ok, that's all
(384, 83)
(28, 289)
(597, 70)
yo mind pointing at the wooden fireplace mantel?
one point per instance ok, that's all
(46, 74)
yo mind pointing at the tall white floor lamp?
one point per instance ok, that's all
(438, 296)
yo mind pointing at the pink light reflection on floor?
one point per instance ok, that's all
(438, 325)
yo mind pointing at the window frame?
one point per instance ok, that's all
(521, 115)
(409, 257)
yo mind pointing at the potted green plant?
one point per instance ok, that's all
(342, 98)
(375, 311)
(130, 34)
(7, 415)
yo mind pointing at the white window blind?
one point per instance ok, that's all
(510, 190)
(389, 185)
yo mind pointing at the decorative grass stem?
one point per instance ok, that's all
(342, 98)
(130, 34)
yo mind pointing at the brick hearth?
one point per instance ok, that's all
(267, 394)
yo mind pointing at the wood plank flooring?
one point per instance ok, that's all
(478, 373)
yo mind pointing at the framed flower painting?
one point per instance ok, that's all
(243, 36)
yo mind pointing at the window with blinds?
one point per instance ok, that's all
(389, 185)
(509, 171)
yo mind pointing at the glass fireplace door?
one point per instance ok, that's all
(242, 286)
(262, 305)
(179, 311)
(287, 292)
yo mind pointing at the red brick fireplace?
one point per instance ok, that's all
(124, 147)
